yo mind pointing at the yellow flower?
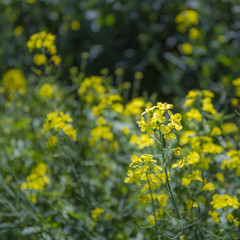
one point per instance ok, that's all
(143, 141)
(190, 204)
(185, 19)
(46, 90)
(56, 60)
(101, 121)
(167, 132)
(132, 178)
(221, 39)
(101, 132)
(57, 120)
(234, 102)
(175, 120)
(40, 59)
(230, 217)
(126, 130)
(182, 237)
(194, 114)
(177, 151)
(14, 81)
(204, 163)
(208, 187)
(212, 148)
(214, 215)
(194, 33)
(207, 106)
(196, 175)
(193, 158)
(224, 201)
(85, 55)
(151, 220)
(52, 140)
(236, 222)
(186, 181)
(126, 85)
(96, 213)
(186, 48)
(144, 198)
(18, 31)
(40, 40)
(236, 82)
(186, 137)
(229, 128)
(134, 107)
(37, 179)
(75, 25)
(138, 75)
(31, 1)
(162, 199)
(32, 197)
(220, 177)
(216, 131)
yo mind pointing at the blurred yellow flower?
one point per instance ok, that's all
(208, 187)
(52, 140)
(18, 30)
(40, 59)
(14, 81)
(75, 25)
(46, 90)
(56, 60)
(31, 1)
(96, 213)
(194, 33)
(190, 204)
(186, 48)
(186, 19)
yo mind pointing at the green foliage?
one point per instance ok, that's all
(72, 73)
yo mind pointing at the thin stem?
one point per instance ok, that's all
(153, 206)
(167, 182)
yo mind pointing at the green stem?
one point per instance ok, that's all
(167, 181)
(154, 211)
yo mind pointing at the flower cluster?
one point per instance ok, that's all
(14, 81)
(224, 201)
(205, 98)
(45, 42)
(134, 107)
(186, 19)
(235, 99)
(158, 121)
(46, 90)
(143, 141)
(90, 87)
(60, 121)
(36, 180)
(231, 219)
(233, 162)
(146, 171)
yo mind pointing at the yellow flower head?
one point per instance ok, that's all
(75, 25)
(186, 48)
(194, 33)
(97, 212)
(157, 120)
(46, 90)
(40, 59)
(14, 81)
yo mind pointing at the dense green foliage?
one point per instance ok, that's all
(89, 148)
(133, 36)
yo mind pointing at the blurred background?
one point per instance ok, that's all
(177, 45)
